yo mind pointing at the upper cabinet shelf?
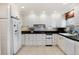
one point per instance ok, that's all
(69, 14)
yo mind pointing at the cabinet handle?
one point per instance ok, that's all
(16, 30)
(48, 38)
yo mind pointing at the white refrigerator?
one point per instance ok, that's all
(10, 34)
(4, 29)
(16, 34)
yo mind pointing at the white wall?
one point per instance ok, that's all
(76, 15)
(55, 19)
(75, 19)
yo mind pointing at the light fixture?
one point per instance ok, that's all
(54, 11)
(64, 3)
(22, 7)
(32, 12)
(32, 15)
(55, 14)
(43, 15)
(43, 11)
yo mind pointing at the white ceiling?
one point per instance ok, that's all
(48, 7)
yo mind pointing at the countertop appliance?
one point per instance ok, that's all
(39, 27)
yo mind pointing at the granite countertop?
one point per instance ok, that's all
(27, 30)
(38, 32)
(70, 37)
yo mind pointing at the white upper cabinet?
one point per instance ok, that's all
(4, 10)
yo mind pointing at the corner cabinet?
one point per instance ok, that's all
(65, 44)
(68, 46)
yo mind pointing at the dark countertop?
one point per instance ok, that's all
(40, 32)
(59, 30)
(70, 37)
(49, 32)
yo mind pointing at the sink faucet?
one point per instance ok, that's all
(77, 34)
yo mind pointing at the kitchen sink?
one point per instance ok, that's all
(68, 34)
(73, 36)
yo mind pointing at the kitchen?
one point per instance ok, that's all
(39, 29)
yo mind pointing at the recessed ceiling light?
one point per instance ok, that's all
(31, 11)
(54, 11)
(65, 3)
(22, 7)
(43, 11)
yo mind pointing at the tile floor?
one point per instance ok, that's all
(40, 50)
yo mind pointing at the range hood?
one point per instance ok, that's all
(39, 27)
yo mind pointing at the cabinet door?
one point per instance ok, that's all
(60, 41)
(68, 46)
(55, 39)
(19, 34)
(23, 39)
(4, 10)
(26, 39)
(39, 39)
(29, 40)
(0, 40)
(3, 32)
(76, 48)
(34, 39)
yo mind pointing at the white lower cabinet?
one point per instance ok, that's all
(67, 45)
(60, 42)
(37, 39)
(34, 39)
(23, 39)
(48, 39)
(70, 47)
(55, 39)
(76, 48)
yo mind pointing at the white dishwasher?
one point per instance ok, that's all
(49, 39)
